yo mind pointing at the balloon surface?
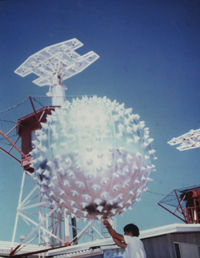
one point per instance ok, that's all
(92, 157)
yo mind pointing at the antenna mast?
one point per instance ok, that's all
(54, 64)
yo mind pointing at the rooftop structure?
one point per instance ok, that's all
(184, 203)
(170, 241)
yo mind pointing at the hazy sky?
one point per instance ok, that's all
(149, 60)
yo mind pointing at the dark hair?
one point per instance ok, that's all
(132, 228)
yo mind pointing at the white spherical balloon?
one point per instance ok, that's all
(92, 157)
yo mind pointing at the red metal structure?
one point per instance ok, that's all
(25, 127)
(184, 204)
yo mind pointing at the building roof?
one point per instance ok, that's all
(98, 247)
(168, 229)
(6, 247)
(85, 249)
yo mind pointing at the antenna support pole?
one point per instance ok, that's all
(57, 91)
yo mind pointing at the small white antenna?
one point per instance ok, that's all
(187, 141)
(54, 64)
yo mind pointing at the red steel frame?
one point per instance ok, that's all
(13, 146)
(190, 214)
(39, 116)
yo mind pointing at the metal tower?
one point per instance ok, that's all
(52, 65)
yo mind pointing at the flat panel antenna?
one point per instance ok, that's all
(187, 141)
(56, 63)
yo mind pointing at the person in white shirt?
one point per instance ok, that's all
(134, 247)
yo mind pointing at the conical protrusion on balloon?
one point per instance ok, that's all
(97, 201)
(83, 204)
(96, 187)
(74, 193)
(99, 217)
(105, 195)
(104, 181)
(80, 184)
(87, 197)
(131, 192)
(62, 192)
(85, 213)
(115, 188)
(100, 208)
(66, 183)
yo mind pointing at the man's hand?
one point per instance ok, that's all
(106, 222)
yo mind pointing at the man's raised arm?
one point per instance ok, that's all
(117, 238)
